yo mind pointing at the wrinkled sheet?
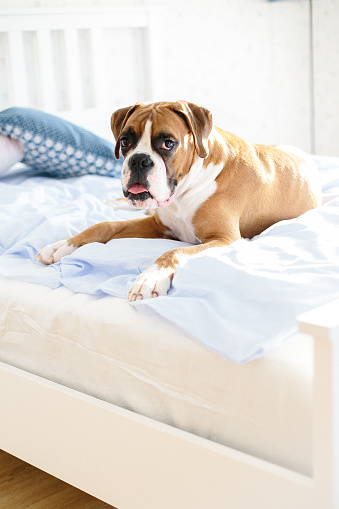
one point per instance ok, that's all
(240, 301)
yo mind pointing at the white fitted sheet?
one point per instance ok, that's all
(102, 346)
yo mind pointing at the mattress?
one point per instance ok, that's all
(102, 346)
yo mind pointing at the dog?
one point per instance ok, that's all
(205, 186)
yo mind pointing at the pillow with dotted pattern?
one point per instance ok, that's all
(11, 152)
(57, 147)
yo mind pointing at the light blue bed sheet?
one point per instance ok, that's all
(240, 301)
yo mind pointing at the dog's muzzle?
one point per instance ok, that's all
(138, 186)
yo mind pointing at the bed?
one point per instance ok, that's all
(204, 398)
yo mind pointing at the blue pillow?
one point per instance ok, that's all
(57, 147)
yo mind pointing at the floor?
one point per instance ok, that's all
(25, 487)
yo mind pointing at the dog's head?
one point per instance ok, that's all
(159, 142)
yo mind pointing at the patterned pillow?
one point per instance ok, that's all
(57, 147)
(11, 152)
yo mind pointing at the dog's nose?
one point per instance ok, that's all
(140, 162)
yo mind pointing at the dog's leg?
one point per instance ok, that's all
(144, 227)
(156, 280)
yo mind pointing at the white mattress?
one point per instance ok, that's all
(102, 346)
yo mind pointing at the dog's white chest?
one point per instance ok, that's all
(178, 219)
(194, 190)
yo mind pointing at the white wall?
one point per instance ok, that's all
(326, 76)
(249, 61)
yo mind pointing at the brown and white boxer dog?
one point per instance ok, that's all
(207, 187)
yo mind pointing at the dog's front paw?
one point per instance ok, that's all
(54, 252)
(151, 283)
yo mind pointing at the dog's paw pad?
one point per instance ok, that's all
(53, 253)
(151, 283)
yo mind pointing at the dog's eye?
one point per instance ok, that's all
(124, 143)
(167, 145)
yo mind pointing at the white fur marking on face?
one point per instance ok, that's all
(144, 145)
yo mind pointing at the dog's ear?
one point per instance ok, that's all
(118, 120)
(200, 122)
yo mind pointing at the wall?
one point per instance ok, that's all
(246, 60)
(249, 61)
(326, 76)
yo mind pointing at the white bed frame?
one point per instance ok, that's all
(134, 462)
(61, 74)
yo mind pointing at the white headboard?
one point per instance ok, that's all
(80, 63)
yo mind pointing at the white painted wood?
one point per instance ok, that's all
(64, 18)
(322, 321)
(156, 92)
(58, 85)
(47, 70)
(131, 461)
(17, 68)
(75, 89)
(323, 325)
(150, 64)
(323, 423)
(5, 88)
(335, 421)
(98, 62)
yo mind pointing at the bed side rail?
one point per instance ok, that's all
(322, 324)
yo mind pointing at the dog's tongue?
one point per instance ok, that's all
(137, 188)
